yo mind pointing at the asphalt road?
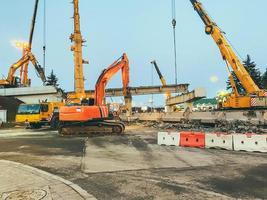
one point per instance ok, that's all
(135, 167)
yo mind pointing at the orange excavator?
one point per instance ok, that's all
(11, 80)
(84, 114)
(93, 115)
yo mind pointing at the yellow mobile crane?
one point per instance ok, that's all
(254, 97)
(162, 79)
(12, 80)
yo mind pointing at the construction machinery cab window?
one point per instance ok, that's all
(29, 109)
(56, 109)
(44, 108)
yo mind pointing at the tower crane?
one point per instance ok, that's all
(254, 97)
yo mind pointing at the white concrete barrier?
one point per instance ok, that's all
(162, 138)
(174, 139)
(250, 142)
(219, 141)
(169, 139)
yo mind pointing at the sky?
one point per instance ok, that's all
(143, 30)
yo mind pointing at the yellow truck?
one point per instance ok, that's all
(39, 114)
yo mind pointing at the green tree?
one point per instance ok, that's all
(264, 80)
(52, 79)
(254, 72)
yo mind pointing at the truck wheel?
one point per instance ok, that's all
(35, 125)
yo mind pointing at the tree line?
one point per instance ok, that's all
(259, 78)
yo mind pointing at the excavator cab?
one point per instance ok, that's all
(16, 81)
(88, 102)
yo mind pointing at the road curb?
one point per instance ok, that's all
(84, 194)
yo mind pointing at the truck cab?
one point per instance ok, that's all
(37, 115)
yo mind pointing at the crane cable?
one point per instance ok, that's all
(174, 37)
(44, 37)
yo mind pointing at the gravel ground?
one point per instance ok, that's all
(135, 167)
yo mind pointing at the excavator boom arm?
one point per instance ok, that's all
(38, 68)
(25, 59)
(123, 64)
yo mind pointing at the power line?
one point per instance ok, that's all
(174, 39)
(44, 37)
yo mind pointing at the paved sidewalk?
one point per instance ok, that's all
(22, 182)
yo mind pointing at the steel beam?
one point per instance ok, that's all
(143, 90)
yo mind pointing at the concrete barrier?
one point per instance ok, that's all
(192, 139)
(250, 142)
(169, 139)
(173, 117)
(175, 139)
(236, 115)
(204, 117)
(150, 116)
(219, 141)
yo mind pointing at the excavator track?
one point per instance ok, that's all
(90, 128)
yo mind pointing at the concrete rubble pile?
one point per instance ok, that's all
(222, 126)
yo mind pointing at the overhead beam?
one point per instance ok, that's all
(196, 94)
(143, 90)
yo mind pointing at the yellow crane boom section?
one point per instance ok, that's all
(227, 52)
(78, 41)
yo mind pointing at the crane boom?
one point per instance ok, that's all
(226, 50)
(162, 79)
(24, 68)
(76, 47)
(33, 24)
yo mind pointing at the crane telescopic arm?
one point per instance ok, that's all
(123, 64)
(162, 79)
(38, 68)
(226, 50)
(33, 24)
(78, 41)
